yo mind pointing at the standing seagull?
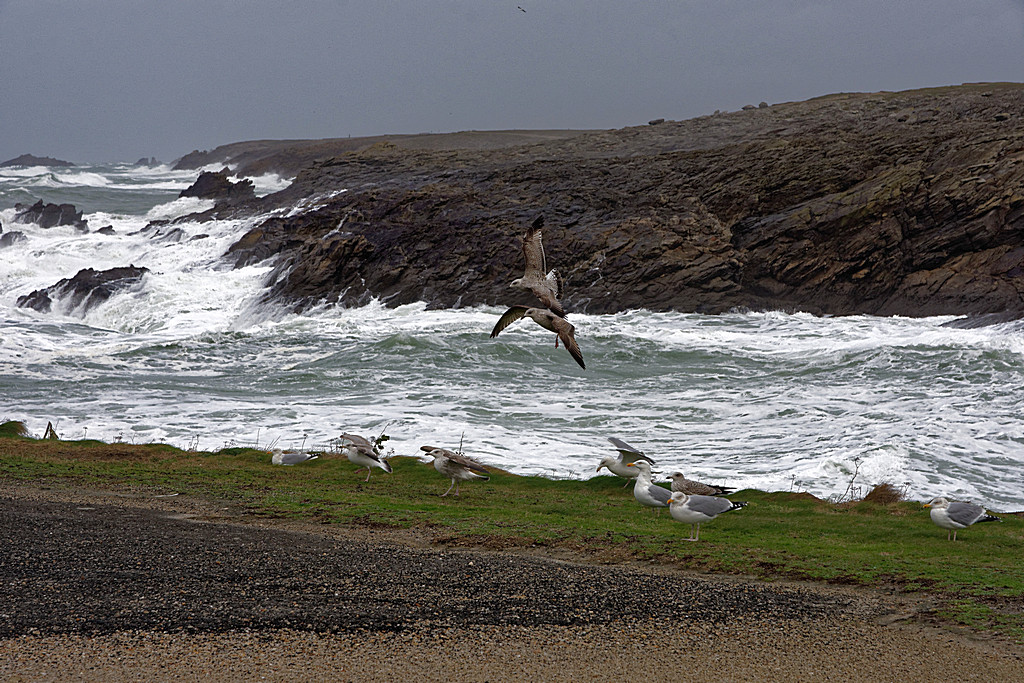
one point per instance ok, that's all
(956, 516)
(549, 321)
(693, 510)
(620, 465)
(696, 488)
(536, 277)
(456, 466)
(361, 452)
(646, 491)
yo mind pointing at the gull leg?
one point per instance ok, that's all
(626, 484)
(457, 487)
(449, 488)
(367, 474)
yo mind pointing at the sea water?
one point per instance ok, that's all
(769, 400)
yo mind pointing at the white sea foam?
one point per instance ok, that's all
(767, 400)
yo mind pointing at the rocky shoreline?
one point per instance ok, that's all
(121, 585)
(904, 203)
(907, 203)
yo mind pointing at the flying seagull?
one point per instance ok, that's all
(620, 465)
(282, 457)
(456, 466)
(956, 516)
(361, 452)
(696, 488)
(693, 510)
(549, 321)
(646, 491)
(537, 278)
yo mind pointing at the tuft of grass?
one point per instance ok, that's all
(13, 428)
(978, 580)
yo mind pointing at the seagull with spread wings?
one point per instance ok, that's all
(536, 278)
(549, 321)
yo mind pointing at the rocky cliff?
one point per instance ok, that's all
(907, 203)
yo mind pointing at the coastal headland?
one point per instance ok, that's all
(889, 203)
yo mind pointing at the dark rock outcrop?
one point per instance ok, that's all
(86, 289)
(905, 203)
(11, 237)
(50, 215)
(29, 160)
(215, 185)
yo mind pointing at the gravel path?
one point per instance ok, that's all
(118, 587)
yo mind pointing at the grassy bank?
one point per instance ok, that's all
(978, 580)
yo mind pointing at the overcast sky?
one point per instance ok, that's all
(107, 80)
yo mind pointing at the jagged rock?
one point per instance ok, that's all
(29, 160)
(86, 289)
(50, 215)
(11, 237)
(151, 161)
(880, 203)
(107, 230)
(215, 185)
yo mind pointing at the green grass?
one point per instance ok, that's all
(979, 579)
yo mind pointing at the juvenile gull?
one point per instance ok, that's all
(696, 488)
(361, 452)
(549, 321)
(620, 465)
(955, 516)
(536, 277)
(282, 457)
(456, 466)
(646, 491)
(693, 510)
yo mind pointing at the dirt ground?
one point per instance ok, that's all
(127, 586)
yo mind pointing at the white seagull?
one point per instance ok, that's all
(456, 466)
(282, 457)
(620, 465)
(696, 488)
(549, 321)
(536, 277)
(693, 510)
(361, 452)
(955, 516)
(646, 491)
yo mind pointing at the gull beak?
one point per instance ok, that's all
(631, 464)
(927, 505)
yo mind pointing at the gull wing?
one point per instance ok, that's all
(533, 251)
(628, 453)
(566, 333)
(508, 317)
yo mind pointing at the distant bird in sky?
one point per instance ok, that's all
(955, 516)
(646, 491)
(696, 488)
(283, 457)
(694, 510)
(544, 283)
(549, 321)
(520, 8)
(456, 466)
(620, 465)
(361, 452)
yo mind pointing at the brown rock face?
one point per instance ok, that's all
(887, 203)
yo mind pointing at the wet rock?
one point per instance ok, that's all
(877, 203)
(215, 185)
(50, 215)
(86, 289)
(11, 237)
